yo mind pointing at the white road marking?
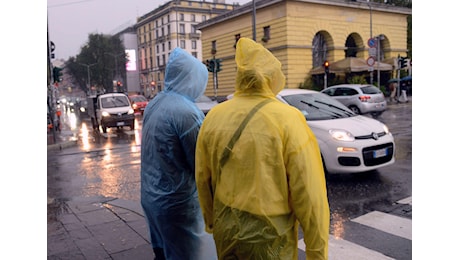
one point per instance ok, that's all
(387, 223)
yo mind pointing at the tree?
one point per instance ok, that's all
(104, 58)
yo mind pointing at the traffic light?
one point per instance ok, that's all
(211, 65)
(218, 65)
(326, 66)
(402, 62)
(57, 74)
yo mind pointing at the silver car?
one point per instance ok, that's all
(360, 98)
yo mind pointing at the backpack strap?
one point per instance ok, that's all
(237, 134)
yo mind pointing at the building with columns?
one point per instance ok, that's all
(303, 34)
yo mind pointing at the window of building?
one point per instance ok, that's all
(158, 49)
(162, 31)
(213, 47)
(266, 36)
(194, 44)
(156, 34)
(203, 18)
(192, 18)
(168, 18)
(163, 47)
(182, 28)
(195, 54)
(169, 45)
(156, 23)
(181, 17)
(237, 38)
(164, 59)
(168, 28)
(182, 44)
(158, 60)
(193, 29)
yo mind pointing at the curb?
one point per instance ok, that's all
(60, 146)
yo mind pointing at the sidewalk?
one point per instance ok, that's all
(98, 228)
(94, 228)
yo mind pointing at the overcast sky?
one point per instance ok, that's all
(71, 21)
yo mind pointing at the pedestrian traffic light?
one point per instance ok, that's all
(326, 66)
(218, 65)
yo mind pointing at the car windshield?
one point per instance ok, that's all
(114, 101)
(318, 106)
(138, 99)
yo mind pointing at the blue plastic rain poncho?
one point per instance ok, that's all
(273, 178)
(168, 190)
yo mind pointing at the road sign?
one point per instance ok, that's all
(370, 61)
(371, 42)
(373, 52)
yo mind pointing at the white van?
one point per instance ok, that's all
(110, 110)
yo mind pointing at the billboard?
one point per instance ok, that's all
(131, 57)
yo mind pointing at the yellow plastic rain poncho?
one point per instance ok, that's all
(273, 178)
(169, 196)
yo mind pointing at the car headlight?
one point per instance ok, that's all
(385, 128)
(134, 106)
(341, 135)
(105, 113)
(131, 111)
(82, 109)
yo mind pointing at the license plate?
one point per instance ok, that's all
(120, 123)
(380, 153)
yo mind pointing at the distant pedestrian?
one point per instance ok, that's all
(393, 87)
(169, 195)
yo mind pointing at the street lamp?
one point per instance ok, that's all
(380, 37)
(370, 23)
(89, 77)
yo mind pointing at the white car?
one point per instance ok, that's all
(349, 142)
(205, 103)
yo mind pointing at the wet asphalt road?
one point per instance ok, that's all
(108, 165)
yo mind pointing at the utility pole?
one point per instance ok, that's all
(115, 56)
(370, 23)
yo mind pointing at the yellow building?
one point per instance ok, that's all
(169, 26)
(303, 34)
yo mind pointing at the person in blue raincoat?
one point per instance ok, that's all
(258, 180)
(169, 196)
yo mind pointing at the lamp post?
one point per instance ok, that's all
(89, 77)
(379, 39)
(115, 56)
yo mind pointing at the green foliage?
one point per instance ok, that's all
(357, 79)
(103, 57)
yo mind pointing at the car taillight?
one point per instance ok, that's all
(364, 98)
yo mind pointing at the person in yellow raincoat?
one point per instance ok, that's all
(257, 183)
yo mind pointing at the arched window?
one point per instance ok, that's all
(319, 50)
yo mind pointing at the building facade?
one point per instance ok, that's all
(303, 34)
(169, 26)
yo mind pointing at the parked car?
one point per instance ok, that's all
(139, 103)
(360, 98)
(349, 142)
(205, 103)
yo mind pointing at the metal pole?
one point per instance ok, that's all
(378, 61)
(370, 22)
(89, 77)
(254, 36)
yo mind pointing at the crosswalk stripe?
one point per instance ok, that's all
(340, 249)
(387, 223)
